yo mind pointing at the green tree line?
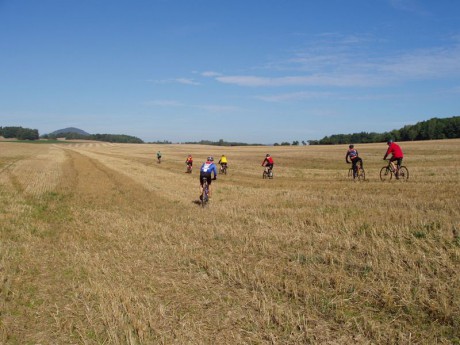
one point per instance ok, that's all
(221, 142)
(19, 133)
(111, 138)
(435, 128)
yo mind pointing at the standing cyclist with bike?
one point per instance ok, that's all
(396, 155)
(352, 153)
(268, 162)
(189, 163)
(206, 170)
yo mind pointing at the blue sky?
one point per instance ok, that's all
(257, 71)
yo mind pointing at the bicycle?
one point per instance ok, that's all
(204, 197)
(360, 173)
(268, 173)
(223, 169)
(387, 172)
(189, 169)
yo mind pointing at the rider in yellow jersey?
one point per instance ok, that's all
(223, 161)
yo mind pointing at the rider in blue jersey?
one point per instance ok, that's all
(207, 168)
(353, 154)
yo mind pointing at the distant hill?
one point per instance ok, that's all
(72, 133)
(69, 130)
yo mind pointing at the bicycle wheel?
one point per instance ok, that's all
(270, 174)
(204, 198)
(350, 173)
(361, 175)
(264, 175)
(385, 174)
(204, 193)
(403, 173)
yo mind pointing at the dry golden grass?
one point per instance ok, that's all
(99, 244)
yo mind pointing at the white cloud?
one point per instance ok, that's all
(412, 6)
(430, 64)
(354, 69)
(210, 74)
(185, 81)
(164, 103)
(313, 80)
(295, 96)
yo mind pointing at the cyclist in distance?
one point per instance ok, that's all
(352, 153)
(189, 161)
(268, 162)
(206, 170)
(223, 161)
(396, 155)
(159, 156)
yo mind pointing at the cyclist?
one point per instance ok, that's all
(352, 153)
(159, 156)
(189, 162)
(396, 155)
(206, 170)
(268, 162)
(223, 162)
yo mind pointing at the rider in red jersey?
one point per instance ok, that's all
(396, 155)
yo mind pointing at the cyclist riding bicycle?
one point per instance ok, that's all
(352, 153)
(396, 155)
(189, 161)
(268, 162)
(223, 161)
(159, 156)
(206, 170)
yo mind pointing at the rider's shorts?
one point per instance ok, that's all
(208, 178)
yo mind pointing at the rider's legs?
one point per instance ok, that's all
(354, 167)
(397, 165)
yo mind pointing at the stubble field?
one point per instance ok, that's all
(100, 244)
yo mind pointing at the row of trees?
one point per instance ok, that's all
(111, 138)
(19, 133)
(221, 142)
(434, 128)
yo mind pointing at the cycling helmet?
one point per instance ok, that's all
(389, 141)
(210, 159)
(351, 146)
(267, 155)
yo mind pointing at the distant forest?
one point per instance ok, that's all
(221, 142)
(19, 133)
(434, 128)
(111, 138)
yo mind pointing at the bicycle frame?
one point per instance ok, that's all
(391, 166)
(268, 172)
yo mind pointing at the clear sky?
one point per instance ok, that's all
(257, 71)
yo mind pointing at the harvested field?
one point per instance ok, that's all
(100, 244)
